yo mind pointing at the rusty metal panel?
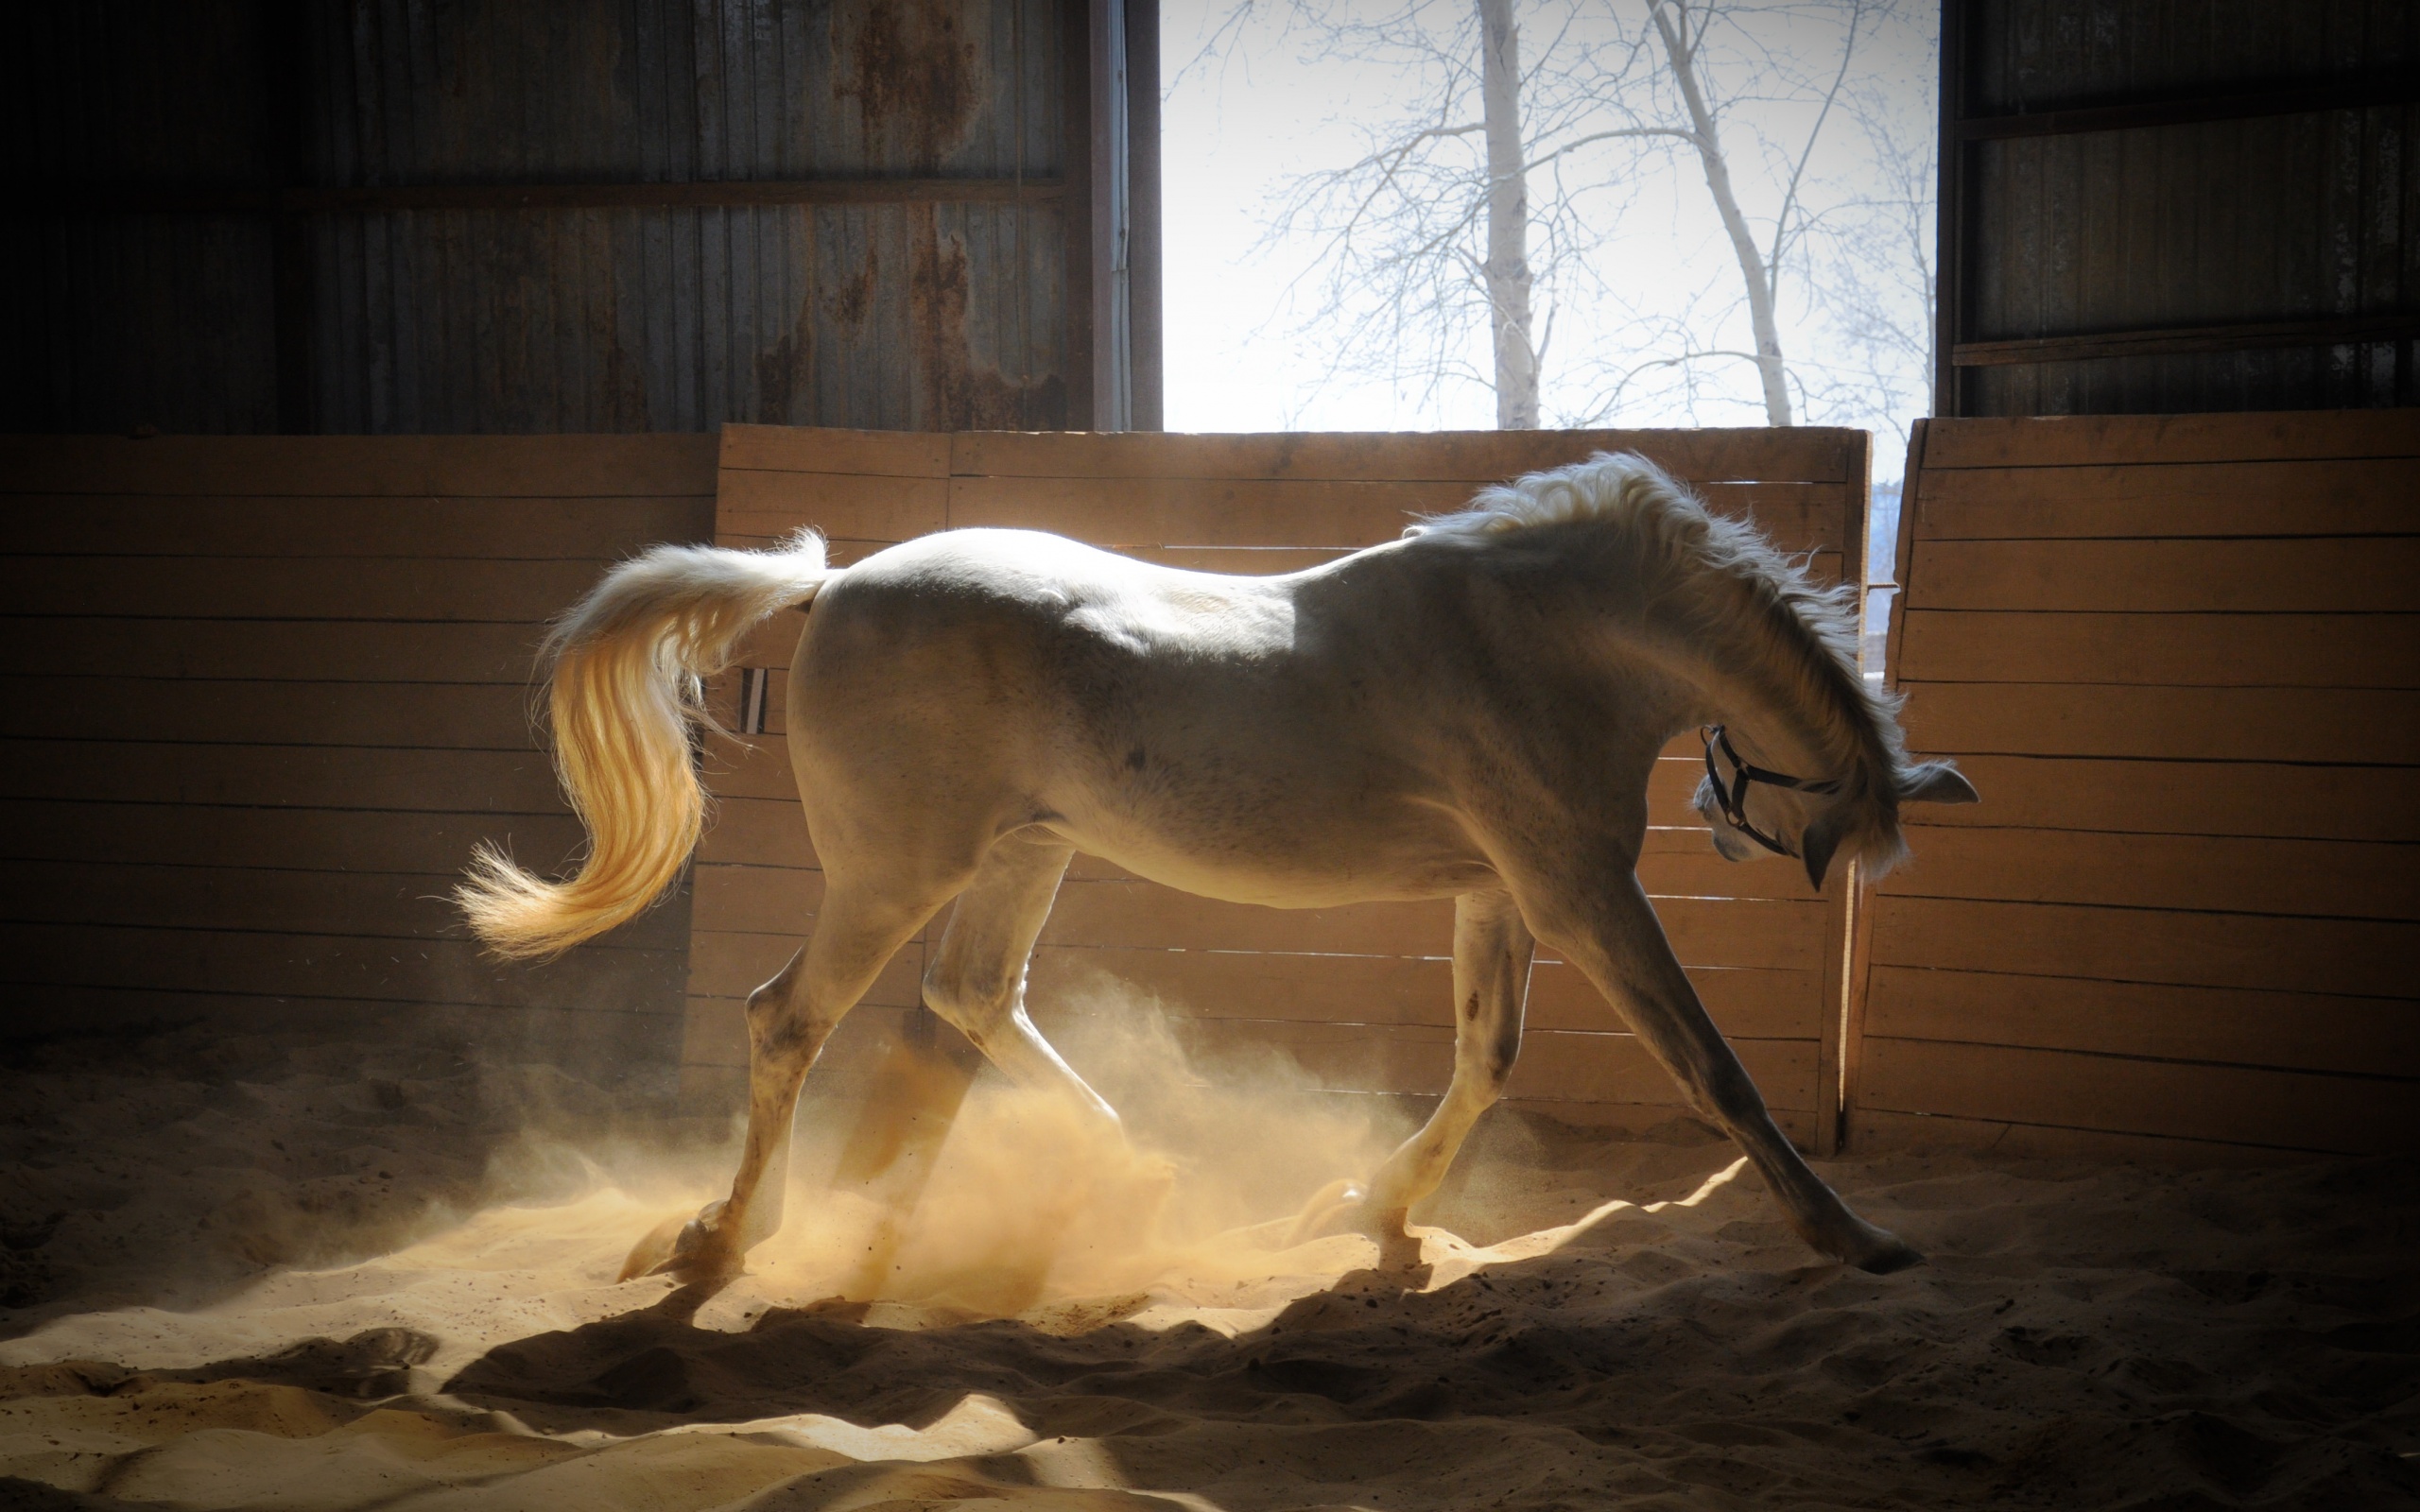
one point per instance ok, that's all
(916, 316)
(2298, 221)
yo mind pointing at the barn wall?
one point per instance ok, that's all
(1361, 996)
(2178, 208)
(2180, 658)
(252, 216)
(265, 694)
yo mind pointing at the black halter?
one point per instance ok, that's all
(1733, 796)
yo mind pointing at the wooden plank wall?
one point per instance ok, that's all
(2179, 657)
(263, 695)
(1362, 996)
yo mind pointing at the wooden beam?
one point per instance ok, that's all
(2354, 92)
(135, 198)
(2334, 331)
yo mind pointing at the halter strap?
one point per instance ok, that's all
(1733, 796)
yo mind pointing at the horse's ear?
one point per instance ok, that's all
(1938, 782)
(1820, 840)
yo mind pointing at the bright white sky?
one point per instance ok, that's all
(1235, 129)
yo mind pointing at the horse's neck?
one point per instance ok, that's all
(1768, 675)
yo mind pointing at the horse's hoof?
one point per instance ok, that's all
(1880, 1251)
(1334, 1209)
(1897, 1255)
(655, 1249)
(688, 1249)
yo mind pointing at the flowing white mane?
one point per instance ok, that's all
(1629, 493)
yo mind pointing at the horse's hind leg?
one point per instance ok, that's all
(976, 979)
(1601, 920)
(1492, 952)
(788, 1019)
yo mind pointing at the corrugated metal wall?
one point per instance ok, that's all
(935, 313)
(2228, 203)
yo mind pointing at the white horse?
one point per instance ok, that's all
(1469, 712)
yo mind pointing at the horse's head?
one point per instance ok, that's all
(1751, 808)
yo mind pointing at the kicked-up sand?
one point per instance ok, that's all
(316, 1279)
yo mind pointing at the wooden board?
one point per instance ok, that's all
(268, 693)
(2369, 497)
(324, 840)
(286, 588)
(2173, 650)
(356, 651)
(2349, 879)
(2100, 440)
(2177, 656)
(479, 467)
(579, 529)
(401, 715)
(2182, 798)
(2370, 726)
(2240, 1104)
(2319, 576)
(2303, 1031)
(356, 906)
(334, 967)
(2358, 957)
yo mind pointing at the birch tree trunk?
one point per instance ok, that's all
(1718, 181)
(1508, 219)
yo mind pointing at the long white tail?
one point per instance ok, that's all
(626, 695)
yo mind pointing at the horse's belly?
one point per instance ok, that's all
(1321, 867)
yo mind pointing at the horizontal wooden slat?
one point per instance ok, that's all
(2297, 1109)
(362, 905)
(604, 1044)
(2098, 440)
(582, 529)
(825, 449)
(266, 588)
(658, 463)
(2219, 873)
(2207, 651)
(1876, 1131)
(357, 651)
(861, 507)
(1806, 454)
(406, 715)
(2306, 1031)
(2344, 725)
(1615, 1068)
(448, 782)
(2331, 575)
(332, 967)
(2351, 957)
(2297, 498)
(2183, 798)
(426, 842)
(1746, 1002)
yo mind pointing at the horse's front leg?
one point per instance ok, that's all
(1492, 950)
(1601, 922)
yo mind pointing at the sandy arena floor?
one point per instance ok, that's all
(261, 1273)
